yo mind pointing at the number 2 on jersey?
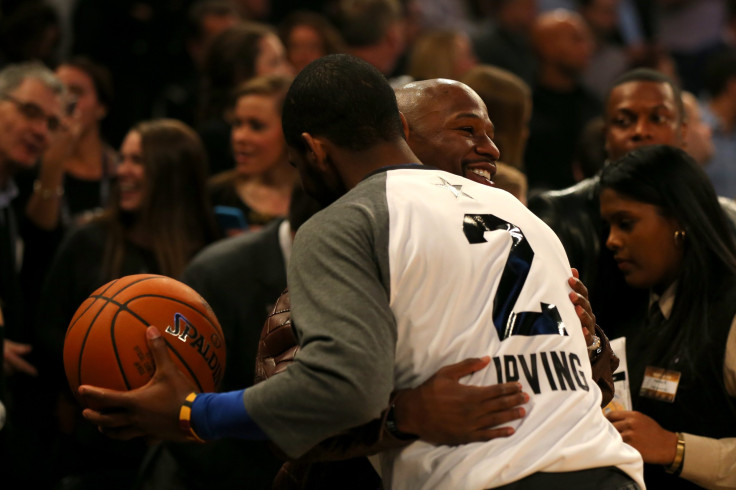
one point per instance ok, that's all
(515, 272)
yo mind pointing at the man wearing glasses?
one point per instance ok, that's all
(31, 112)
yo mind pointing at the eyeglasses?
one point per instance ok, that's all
(34, 112)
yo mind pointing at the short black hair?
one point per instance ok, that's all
(721, 67)
(344, 99)
(650, 75)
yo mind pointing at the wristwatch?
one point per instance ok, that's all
(393, 429)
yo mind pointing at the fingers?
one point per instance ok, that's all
(159, 349)
(117, 425)
(488, 434)
(102, 398)
(18, 364)
(616, 415)
(584, 312)
(502, 417)
(577, 285)
(464, 368)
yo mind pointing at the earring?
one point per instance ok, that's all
(680, 236)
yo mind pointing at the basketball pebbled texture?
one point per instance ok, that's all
(105, 343)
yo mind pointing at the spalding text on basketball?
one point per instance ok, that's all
(186, 332)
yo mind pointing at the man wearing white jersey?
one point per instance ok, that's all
(408, 270)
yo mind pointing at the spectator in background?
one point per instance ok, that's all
(644, 107)
(441, 54)
(308, 36)
(562, 105)
(690, 31)
(30, 31)
(719, 112)
(508, 44)
(259, 186)
(509, 102)
(157, 219)
(610, 58)
(699, 137)
(31, 109)
(236, 55)
(671, 238)
(206, 19)
(373, 31)
(75, 174)
(590, 152)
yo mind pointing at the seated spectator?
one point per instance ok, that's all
(31, 108)
(235, 55)
(699, 137)
(562, 105)
(259, 186)
(374, 31)
(75, 174)
(644, 107)
(308, 36)
(441, 54)
(157, 219)
(508, 43)
(669, 235)
(509, 102)
(179, 98)
(720, 115)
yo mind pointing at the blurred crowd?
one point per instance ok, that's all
(145, 136)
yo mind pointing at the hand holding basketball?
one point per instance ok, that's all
(105, 343)
(152, 410)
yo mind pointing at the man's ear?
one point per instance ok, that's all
(316, 154)
(404, 125)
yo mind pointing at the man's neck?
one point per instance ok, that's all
(360, 164)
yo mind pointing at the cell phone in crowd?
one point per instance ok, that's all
(231, 219)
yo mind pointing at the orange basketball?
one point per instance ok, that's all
(105, 343)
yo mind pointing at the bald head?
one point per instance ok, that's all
(562, 39)
(449, 127)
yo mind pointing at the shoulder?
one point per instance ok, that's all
(229, 252)
(584, 192)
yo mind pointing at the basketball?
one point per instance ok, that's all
(105, 343)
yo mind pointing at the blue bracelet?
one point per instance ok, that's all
(221, 415)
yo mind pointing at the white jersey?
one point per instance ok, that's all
(415, 269)
(474, 273)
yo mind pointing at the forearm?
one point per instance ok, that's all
(223, 415)
(710, 463)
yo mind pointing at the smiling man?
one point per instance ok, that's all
(448, 119)
(400, 275)
(30, 116)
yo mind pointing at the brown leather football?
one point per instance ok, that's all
(278, 343)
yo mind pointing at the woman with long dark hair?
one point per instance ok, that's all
(158, 218)
(669, 234)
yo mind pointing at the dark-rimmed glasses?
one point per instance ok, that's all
(33, 111)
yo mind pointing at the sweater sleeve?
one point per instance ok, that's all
(711, 463)
(342, 376)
